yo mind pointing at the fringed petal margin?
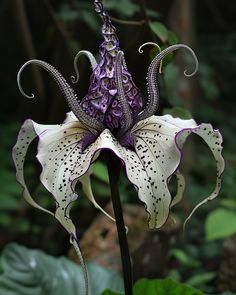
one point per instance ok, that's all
(214, 141)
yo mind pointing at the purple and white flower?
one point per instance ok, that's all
(113, 115)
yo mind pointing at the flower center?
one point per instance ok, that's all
(102, 101)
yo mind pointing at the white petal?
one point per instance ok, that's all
(214, 140)
(26, 135)
(70, 117)
(87, 189)
(159, 155)
(158, 144)
(167, 120)
(58, 151)
(105, 140)
(180, 189)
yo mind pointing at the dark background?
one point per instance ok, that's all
(54, 31)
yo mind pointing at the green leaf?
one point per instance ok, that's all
(163, 287)
(88, 17)
(178, 112)
(5, 219)
(220, 223)
(110, 292)
(171, 73)
(160, 30)
(207, 82)
(172, 38)
(8, 202)
(100, 171)
(152, 13)
(184, 258)
(228, 203)
(159, 287)
(67, 14)
(201, 279)
(125, 8)
(8, 182)
(31, 272)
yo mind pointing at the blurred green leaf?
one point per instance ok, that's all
(125, 8)
(67, 14)
(200, 279)
(100, 171)
(89, 18)
(86, 14)
(8, 202)
(220, 223)
(228, 203)
(178, 112)
(4, 219)
(110, 292)
(152, 13)
(184, 258)
(172, 38)
(211, 249)
(8, 182)
(20, 225)
(175, 275)
(171, 72)
(160, 287)
(207, 83)
(31, 272)
(160, 30)
(163, 287)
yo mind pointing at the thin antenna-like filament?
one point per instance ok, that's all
(121, 95)
(93, 62)
(91, 123)
(153, 90)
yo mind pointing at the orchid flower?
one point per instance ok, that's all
(113, 116)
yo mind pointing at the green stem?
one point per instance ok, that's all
(114, 173)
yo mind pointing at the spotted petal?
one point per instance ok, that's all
(58, 150)
(180, 189)
(158, 144)
(85, 180)
(26, 135)
(155, 158)
(214, 141)
(60, 154)
(145, 168)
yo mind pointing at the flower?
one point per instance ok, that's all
(113, 115)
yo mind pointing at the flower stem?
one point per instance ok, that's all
(114, 166)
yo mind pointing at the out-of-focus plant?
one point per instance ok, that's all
(214, 228)
(32, 272)
(159, 287)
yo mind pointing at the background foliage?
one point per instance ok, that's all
(54, 31)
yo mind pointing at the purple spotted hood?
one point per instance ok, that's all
(102, 102)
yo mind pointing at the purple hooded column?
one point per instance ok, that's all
(102, 102)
